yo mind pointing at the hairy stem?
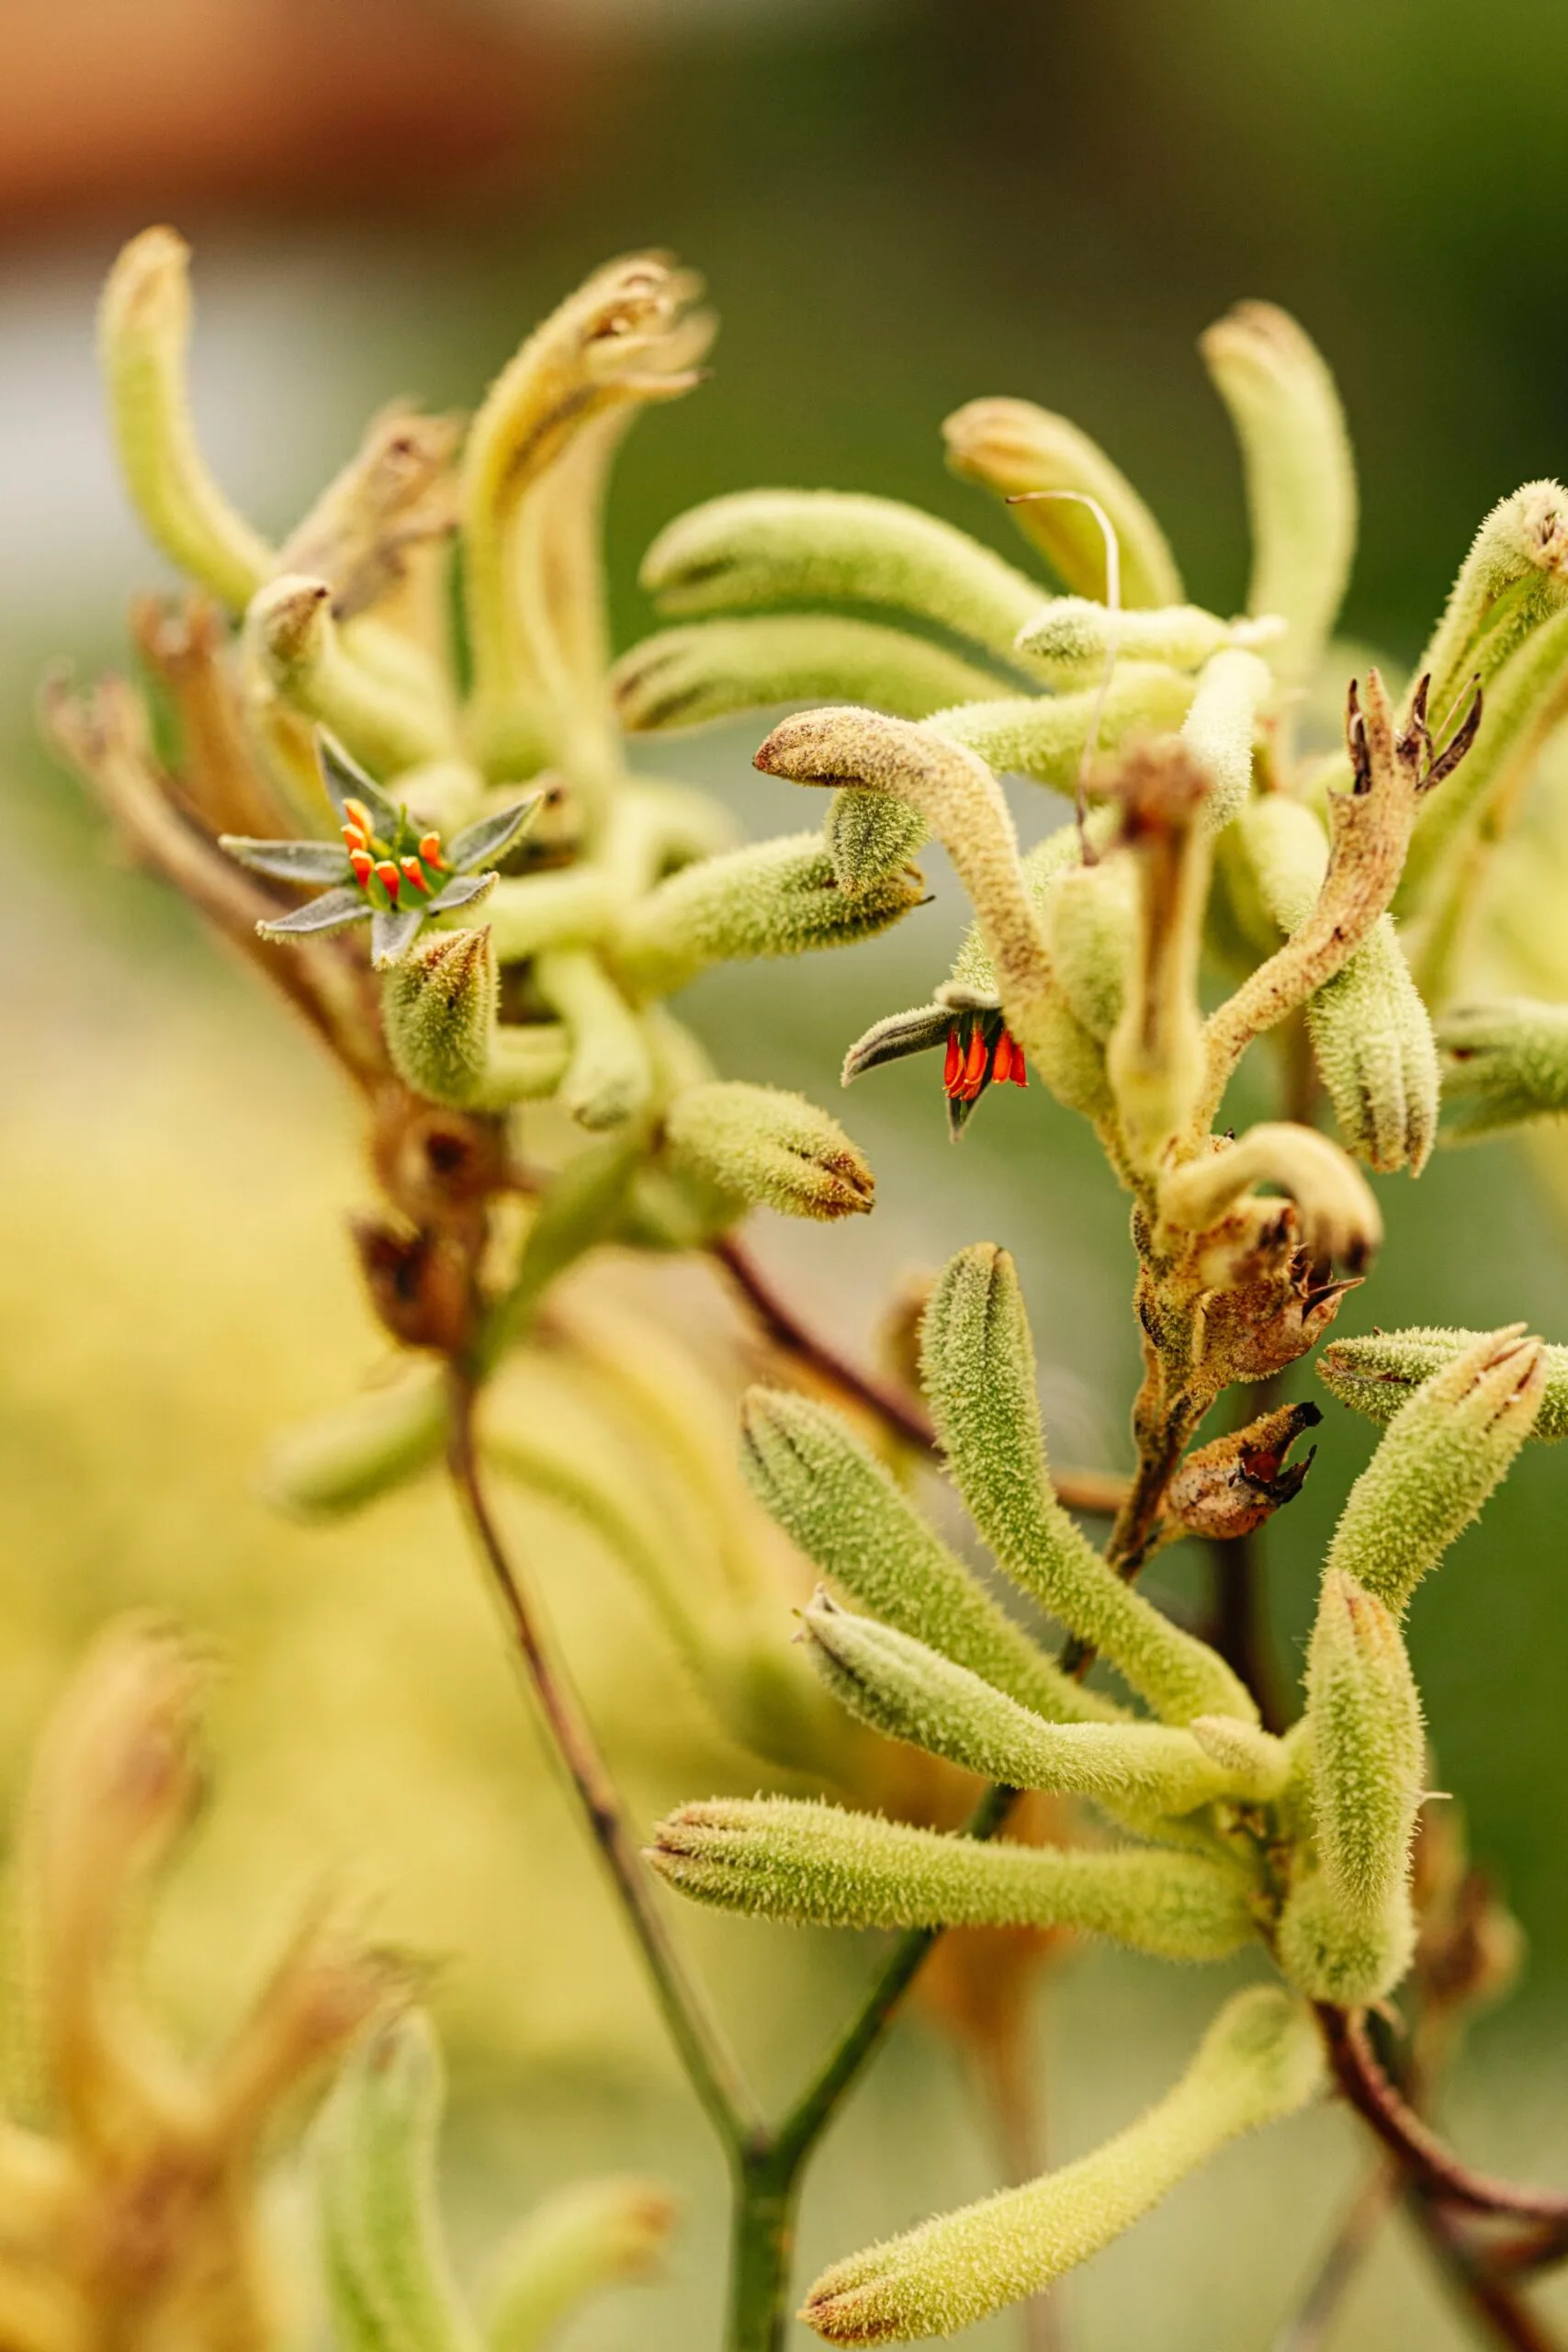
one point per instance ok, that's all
(711, 2067)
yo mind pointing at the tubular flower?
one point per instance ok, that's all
(388, 871)
(980, 1049)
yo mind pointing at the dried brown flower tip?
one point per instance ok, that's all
(1231, 1486)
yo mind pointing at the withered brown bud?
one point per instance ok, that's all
(1269, 1304)
(1232, 1486)
(418, 1284)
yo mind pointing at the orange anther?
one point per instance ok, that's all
(953, 1063)
(1001, 1060)
(359, 814)
(415, 873)
(353, 839)
(364, 866)
(430, 849)
(975, 1064)
(388, 877)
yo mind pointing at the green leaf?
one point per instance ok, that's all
(492, 837)
(288, 861)
(334, 912)
(346, 780)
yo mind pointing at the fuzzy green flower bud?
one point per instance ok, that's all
(870, 837)
(1504, 1061)
(767, 1148)
(1514, 577)
(689, 677)
(387, 2271)
(908, 1692)
(1072, 637)
(1254, 1762)
(438, 1010)
(1368, 1746)
(1300, 478)
(1260, 2059)
(1014, 448)
(1372, 1034)
(581, 2240)
(346, 1458)
(1046, 736)
(610, 1077)
(853, 1521)
(290, 629)
(1445, 1449)
(819, 1866)
(777, 897)
(1337, 1951)
(1219, 728)
(1378, 1373)
(783, 547)
(143, 331)
(1090, 922)
(977, 1366)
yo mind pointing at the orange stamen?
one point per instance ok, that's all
(415, 873)
(388, 877)
(974, 1066)
(430, 850)
(364, 866)
(953, 1064)
(353, 839)
(360, 815)
(1001, 1060)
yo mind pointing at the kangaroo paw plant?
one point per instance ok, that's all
(387, 758)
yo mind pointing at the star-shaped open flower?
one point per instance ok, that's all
(388, 871)
(980, 1048)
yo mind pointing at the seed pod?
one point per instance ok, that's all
(1445, 1449)
(1503, 1062)
(817, 1864)
(1229, 1488)
(1367, 1747)
(777, 897)
(362, 1449)
(857, 1526)
(689, 677)
(438, 1010)
(1300, 479)
(580, 2240)
(768, 1149)
(783, 547)
(977, 1362)
(1260, 2059)
(144, 332)
(908, 1692)
(388, 2269)
(1380, 1372)
(1014, 448)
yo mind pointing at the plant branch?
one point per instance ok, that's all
(1428, 2164)
(1308, 2328)
(1495, 2302)
(711, 2067)
(1099, 1494)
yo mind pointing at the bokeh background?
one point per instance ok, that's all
(898, 205)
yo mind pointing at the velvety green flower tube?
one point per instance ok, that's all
(870, 835)
(778, 897)
(858, 1526)
(1333, 1950)
(818, 1865)
(1368, 1746)
(1044, 735)
(1448, 1445)
(347, 1457)
(290, 629)
(609, 1078)
(768, 1148)
(1218, 729)
(783, 546)
(581, 2240)
(1503, 1062)
(1072, 637)
(1378, 1373)
(711, 670)
(1301, 476)
(1260, 2059)
(389, 2275)
(977, 1366)
(1514, 577)
(1090, 922)
(909, 1691)
(1016, 449)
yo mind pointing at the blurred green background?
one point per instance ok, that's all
(897, 207)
